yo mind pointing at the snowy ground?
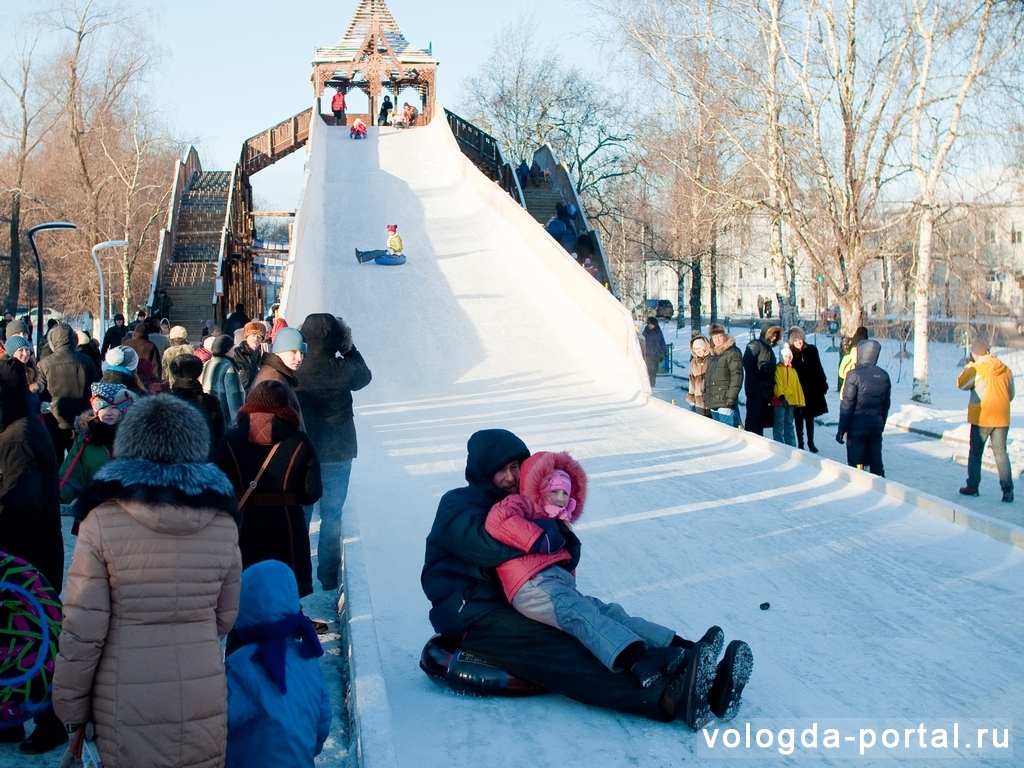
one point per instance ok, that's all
(882, 617)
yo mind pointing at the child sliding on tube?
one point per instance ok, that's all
(553, 487)
(394, 248)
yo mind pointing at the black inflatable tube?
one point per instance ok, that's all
(467, 674)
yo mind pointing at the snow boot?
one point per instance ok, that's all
(732, 675)
(1008, 494)
(656, 662)
(714, 637)
(686, 695)
(969, 490)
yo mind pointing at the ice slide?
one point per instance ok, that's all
(882, 616)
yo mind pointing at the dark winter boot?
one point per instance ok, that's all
(799, 424)
(969, 490)
(714, 637)
(732, 675)
(1008, 494)
(810, 436)
(656, 663)
(686, 695)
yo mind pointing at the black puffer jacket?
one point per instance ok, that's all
(29, 499)
(191, 391)
(868, 393)
(66, 377)
(458, 571)
(807, 364)
(759, 364)
(724, 376)
(326, 384)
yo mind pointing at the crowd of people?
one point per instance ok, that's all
(191, 480)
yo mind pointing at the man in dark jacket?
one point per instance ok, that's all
(235, 320)
(867, 396)
(332, 370)
(115, 334)
(759, 379)
(29, 513)
(185, 371)
(65, 377)
(470, 611)
(723, 378)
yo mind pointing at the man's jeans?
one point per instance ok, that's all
(732, 419)
(979, 436)
(328, 551)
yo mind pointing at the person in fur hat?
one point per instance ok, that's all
(723, 379)
(185, 373)
(94, 438)
(331, 371)
(249, 352)
(807, 364)
(220, 379)
(151, 593)
(759, 379)
(537, 520)
(268, 448)
(700, 351)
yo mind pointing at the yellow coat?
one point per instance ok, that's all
(787, 385)
(847, 364)
(395, 245)
(991, 386)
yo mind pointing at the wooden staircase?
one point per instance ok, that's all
(541, 198)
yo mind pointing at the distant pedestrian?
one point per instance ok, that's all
(178, 336)
(759, 379)
(185, 373)
(151, 593)
(760, 306)
(789, 396)
(144, 348)
(65, 377)
(332, 370)
(864, 410)
(114, 334)
(724, 377)
(88, 347)
(274, 468)
(162, 305)
(807, 364)
(17, 328)
(767, 307)
(160, 335)
(700, 351)
(285, 358)
(990, 383)
(654, 348)
(279, 707)
(249, 353)
(220, 379)
(235, 320)
(338, 107)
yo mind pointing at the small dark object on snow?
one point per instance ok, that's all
(765, 606)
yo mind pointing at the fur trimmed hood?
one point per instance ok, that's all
(150, 484)
(717, 349)
(326, 334)
(536, 469)
(88, 426)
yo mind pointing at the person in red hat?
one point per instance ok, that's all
(393, 250)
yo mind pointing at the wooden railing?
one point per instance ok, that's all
(267, 148)
(481, 146)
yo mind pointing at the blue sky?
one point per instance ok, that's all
(233, 69)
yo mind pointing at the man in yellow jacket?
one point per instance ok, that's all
(991, 386)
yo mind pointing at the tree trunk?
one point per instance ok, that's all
(851, 306)
(680, 297)
(695, 289)
(713, 277)
(922, 298)
(14, 280)
(126, 288)
(783, 297)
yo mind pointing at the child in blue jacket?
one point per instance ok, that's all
(279, 710)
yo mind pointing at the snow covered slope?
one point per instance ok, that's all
(882, 616)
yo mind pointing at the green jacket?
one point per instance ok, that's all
(93, 446)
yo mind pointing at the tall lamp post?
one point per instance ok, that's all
(101, 317)
(39, 273)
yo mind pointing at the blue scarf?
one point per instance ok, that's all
(272, 640)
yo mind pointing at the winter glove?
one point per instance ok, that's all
(550, 541)
(839, 437)
(776, 402)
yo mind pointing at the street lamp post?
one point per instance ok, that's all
(39, 274)
(101, 317)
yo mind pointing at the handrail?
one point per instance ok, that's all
(184, 168)
(561, 182)
(266, 148)
(226, 232)
(481, 145)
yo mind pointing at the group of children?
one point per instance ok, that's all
(388, 115)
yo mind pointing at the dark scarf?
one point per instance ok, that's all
(272, 641)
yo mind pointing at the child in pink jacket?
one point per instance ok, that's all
(553, 487)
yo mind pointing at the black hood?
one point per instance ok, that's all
(490, 450)
(13, 391)
(326, 335)
(868, 352)
(62, 337)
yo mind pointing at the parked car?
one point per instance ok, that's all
(659, 308)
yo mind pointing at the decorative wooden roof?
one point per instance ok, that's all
(373, 30)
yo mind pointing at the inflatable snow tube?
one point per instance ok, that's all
(390, 261)
(468, 674)
(30, 622)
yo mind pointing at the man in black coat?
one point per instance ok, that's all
(66, 377)
(29, 513)
(470, 611)
(331, 371)
(867, 397)
(236, 320)
(724, 377)
(114, 335)
(759, 379)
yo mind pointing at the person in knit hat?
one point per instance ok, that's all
(788, 396)
(700, 351)
(990, 383)
(279, 707)
(185, 373)
(281, 363)
(179, 346)
(249, 352)
(220, 378)
(203, 352)
(19, 348)
(151, 593)
(538, 520)
(94, 438)
(274, 520)
(120, 365)
(807, 364)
